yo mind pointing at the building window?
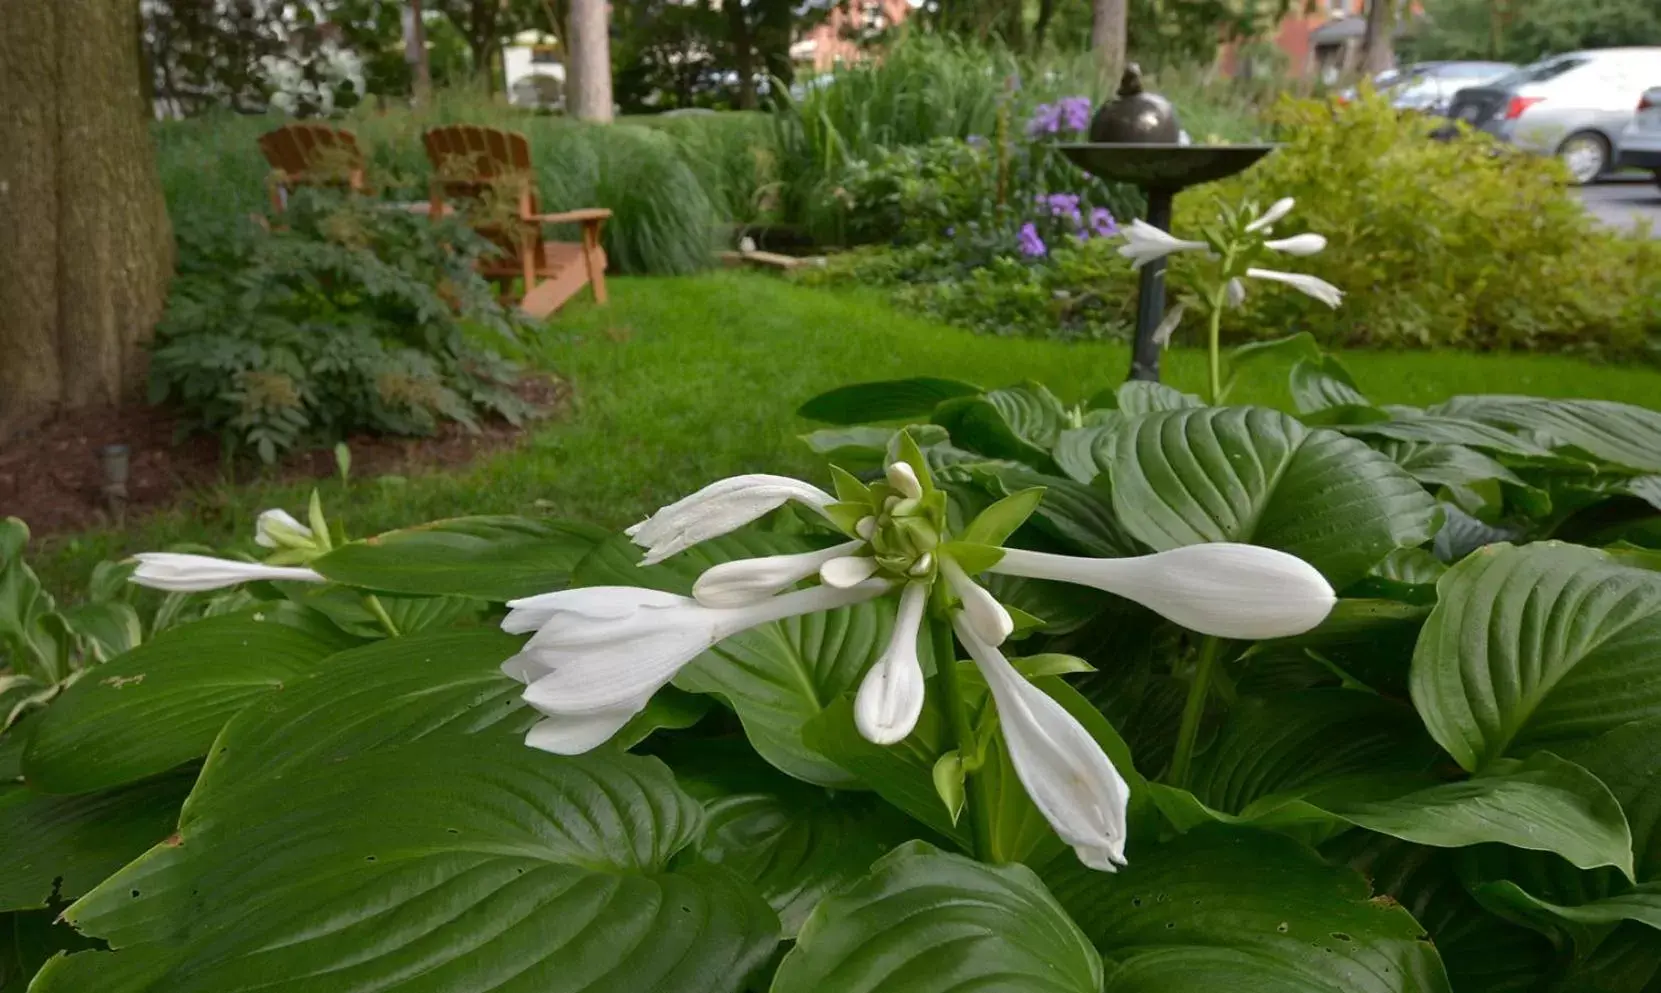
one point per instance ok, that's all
(544, 55)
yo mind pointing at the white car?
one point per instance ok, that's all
(1575, 106)
(1641, 141)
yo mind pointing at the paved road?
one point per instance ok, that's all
(1624, 202)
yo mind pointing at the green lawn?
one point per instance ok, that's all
(684, 380)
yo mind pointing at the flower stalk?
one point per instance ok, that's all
(963, 736)
(1193, 711)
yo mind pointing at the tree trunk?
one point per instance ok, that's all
(1107, 40)
(1041, 27)
(1377, 48)
(415, 53)
(743, 54)
(589, 68)
(85, 246)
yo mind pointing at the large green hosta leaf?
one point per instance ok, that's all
(482, 558)
(1018, 422)
(886, 400)
(63, 846)
(1247, 912)
(161, 704)
(1254, 475)
(779, 676)
(1537, 646)
(440, 865)
(1618, 434)
(927, 922)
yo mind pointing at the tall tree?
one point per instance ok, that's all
(415, 52)
(1377, 43)
(588, 62)
(85, 247)
(1108, 27)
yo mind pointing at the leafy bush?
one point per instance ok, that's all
(346, 317)
(1467, 749)
(1463, 243)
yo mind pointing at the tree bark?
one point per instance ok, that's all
(589, 66)
(1377, 45)
(415, 53)
(743, 54)
(1107, 40)
(85, 245)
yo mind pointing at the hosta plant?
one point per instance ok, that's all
(1139, 694)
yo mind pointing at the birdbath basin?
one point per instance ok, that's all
(1162, 166)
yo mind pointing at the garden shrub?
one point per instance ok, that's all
(344, 317)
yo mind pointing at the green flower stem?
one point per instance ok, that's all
(963, 734)
(1219, 299)
(1192, 711)
(375, 606)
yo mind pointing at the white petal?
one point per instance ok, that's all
(981, 609)
(1144, 243)
(1224, 589)
(1313, 286)
(575, 734)
(720, 508)
(890, 697)
(1069, 778)
(1280, 208)
(273, 523)
(196, 573)
(1235, 293)
(848, 571)
(903, 477)
(866, 528)
(1303, 244)
(733, 584)
(604, 648)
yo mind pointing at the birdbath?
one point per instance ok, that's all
(1136, 139)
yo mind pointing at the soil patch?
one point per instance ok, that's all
(53, 477)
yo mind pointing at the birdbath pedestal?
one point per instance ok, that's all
(1136, 140)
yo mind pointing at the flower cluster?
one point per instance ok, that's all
(597, 655)
(1069, 114)
(1246, 239)
(1066, 209)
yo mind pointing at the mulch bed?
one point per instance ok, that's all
(52, 477)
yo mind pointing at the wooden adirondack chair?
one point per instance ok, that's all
(307, 153)
(487, 172)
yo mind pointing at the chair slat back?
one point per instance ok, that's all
(487, 170)
(308, 153)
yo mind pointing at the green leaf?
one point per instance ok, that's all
(949, 775)
(1616, 434)
(1297, 346)
(161, 704)
(1448, 431)
(481, 558)
(779, 676)
(1084, 453)
(927, 922)
(63, 846)
(389, 693)
(1081, 517)
(865, 447)
(1063, 607)
(995, 524)
(1050, 664)
(1536, 646)
(435, 866)
(1544, 804)
(887, 400)
(1323, 384)
(1253, 475)
(1446, 465)
(1238, 910)
(107, 629)
(1021, 423)
(1642, 905)
(28, 940)
(1136, 396)
(1365, 643)
(1625, 760)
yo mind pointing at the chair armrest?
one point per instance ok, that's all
(583, 216)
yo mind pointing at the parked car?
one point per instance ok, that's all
(1428, 87)
(1573, 106)
(1641, 141)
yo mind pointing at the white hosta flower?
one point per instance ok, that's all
(904, 478)
(733, 584)
(277, 528)
(197, 573)
(1303, 244)
(1224, 589)
(1277, 210)
(890, 697)
(981, 610)
(1313, 286)
(1144, 243)
(1065, 772)
(1234, 293)
(848, 571)
(720, 508)
(600, 652)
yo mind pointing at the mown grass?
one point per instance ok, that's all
(684, 380)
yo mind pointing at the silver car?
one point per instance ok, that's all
(1641, 141)
(1574, 106)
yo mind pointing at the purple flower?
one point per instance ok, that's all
(1075, 113)
(950, 231)
(1102, 222)
(1030, 244)
(976, 141)
(1045, 119)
